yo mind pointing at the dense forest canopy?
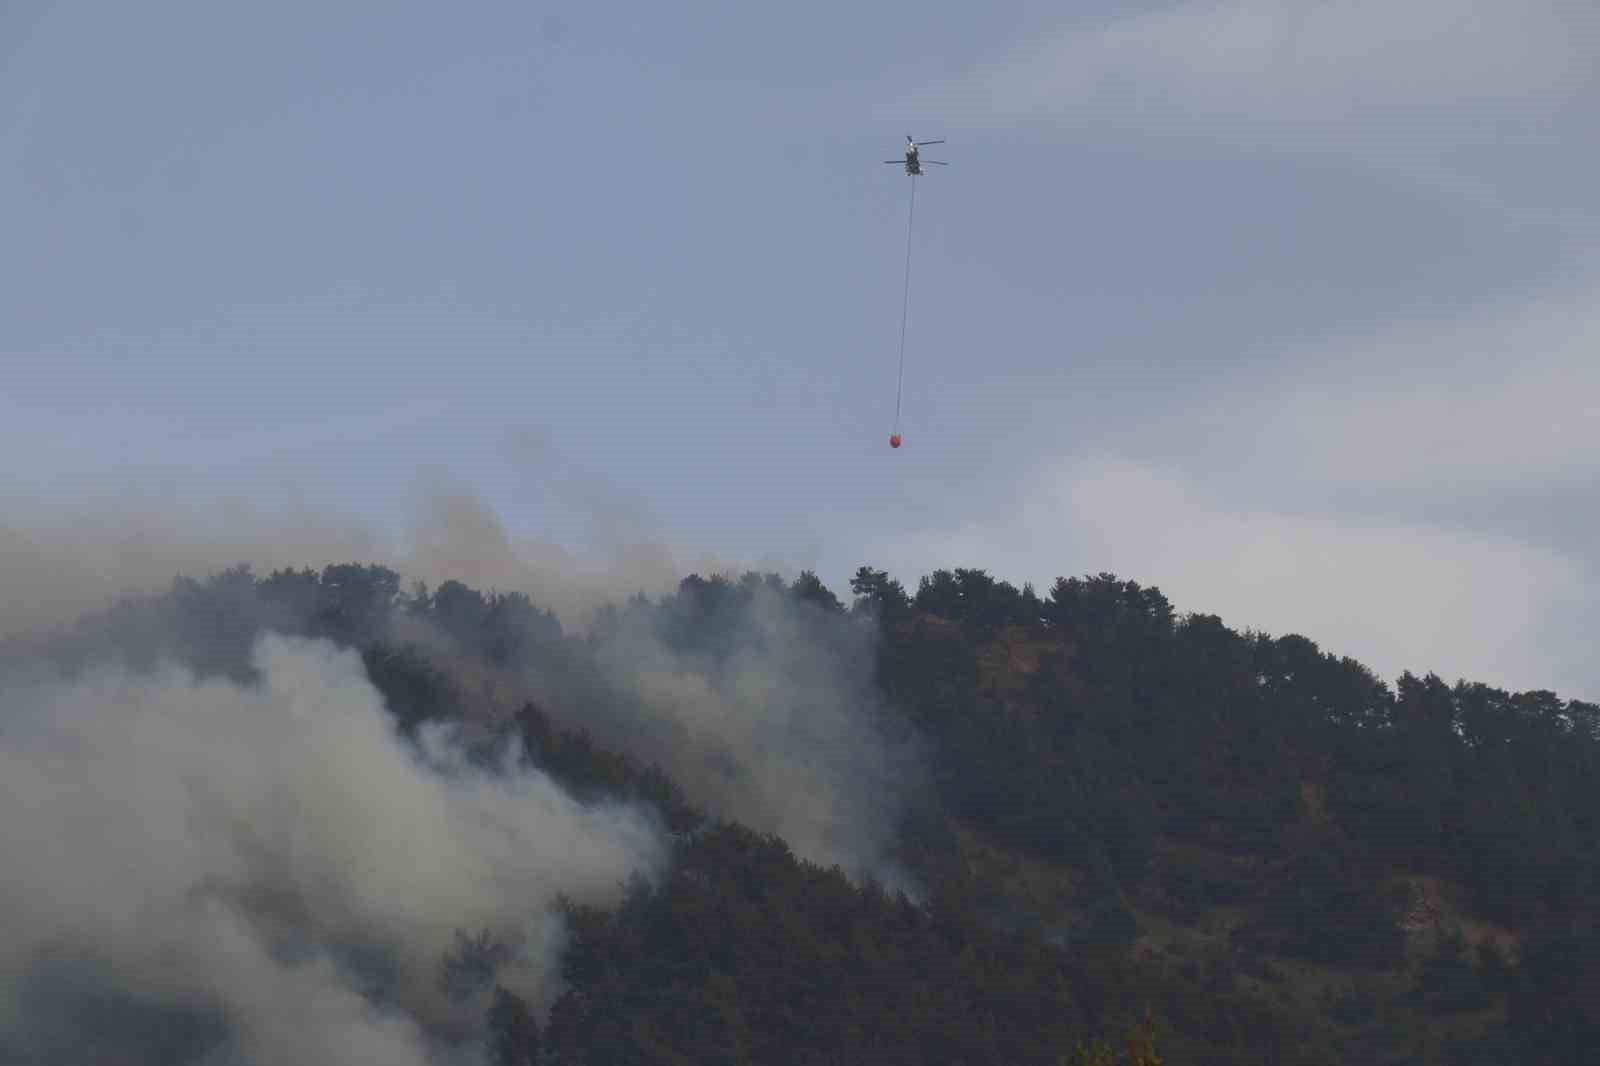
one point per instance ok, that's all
(751, 822)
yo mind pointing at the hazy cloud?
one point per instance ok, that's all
(1394, 594)
(1299, 59)
(1493, 398)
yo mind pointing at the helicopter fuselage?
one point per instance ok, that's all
(913, 161)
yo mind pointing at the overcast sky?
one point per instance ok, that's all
(1289, 308)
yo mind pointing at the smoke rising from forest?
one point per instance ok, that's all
(246, 871)
(777, 725)
(783, 735)
(206, 872)
(56, 567)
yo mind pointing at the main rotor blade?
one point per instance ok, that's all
(936, 162)
(927, 142)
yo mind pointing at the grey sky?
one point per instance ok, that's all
(1286, 307)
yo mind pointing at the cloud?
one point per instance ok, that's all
(1397, 595)
(1480, 425)
(1493, 398)
(1419, 497)
(1298, 59)
(271, 865)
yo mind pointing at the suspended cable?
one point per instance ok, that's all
(905, 308)
(913, 164)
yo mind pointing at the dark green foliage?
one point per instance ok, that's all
(211, 626)
(1117, 626)
(215, 621)
(1193, 888)
(64, 1008)
(1555, 1011)
(468, 970)
(1497, 790)
(513, 1031)
(1448, 981)
(925, 829)
(354, 603)
(591, 772)
(414, 689)
(502, 628)
(808, 588)
(1327, 907)
(746, 955)
(876, 592)
(1495, 971)
(1357, 1006)
(703, 617)
(293, 599)
(1110, 924)
(1493, 1047)
(1095, 731)
(980, 603)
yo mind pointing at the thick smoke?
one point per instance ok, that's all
(783, 736)
(203, 872)
(455, 536)
(55, 568)
(780, 728)
(330, 858)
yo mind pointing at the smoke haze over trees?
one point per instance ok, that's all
(327, 816)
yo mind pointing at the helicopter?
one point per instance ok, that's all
(913, 162)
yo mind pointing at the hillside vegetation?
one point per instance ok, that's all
(1107, 815)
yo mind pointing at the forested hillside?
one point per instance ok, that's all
(961, 824)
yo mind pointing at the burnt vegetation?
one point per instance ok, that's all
(1259, 850)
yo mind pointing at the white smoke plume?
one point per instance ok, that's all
(204, 872)
(56, 566)
(61, 574)
(454, 535)
(784, 738)
(785, 735)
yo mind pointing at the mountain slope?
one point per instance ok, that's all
(1086, 808)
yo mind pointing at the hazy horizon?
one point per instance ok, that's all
(1282, 308)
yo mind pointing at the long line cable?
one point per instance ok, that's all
(905, 307)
